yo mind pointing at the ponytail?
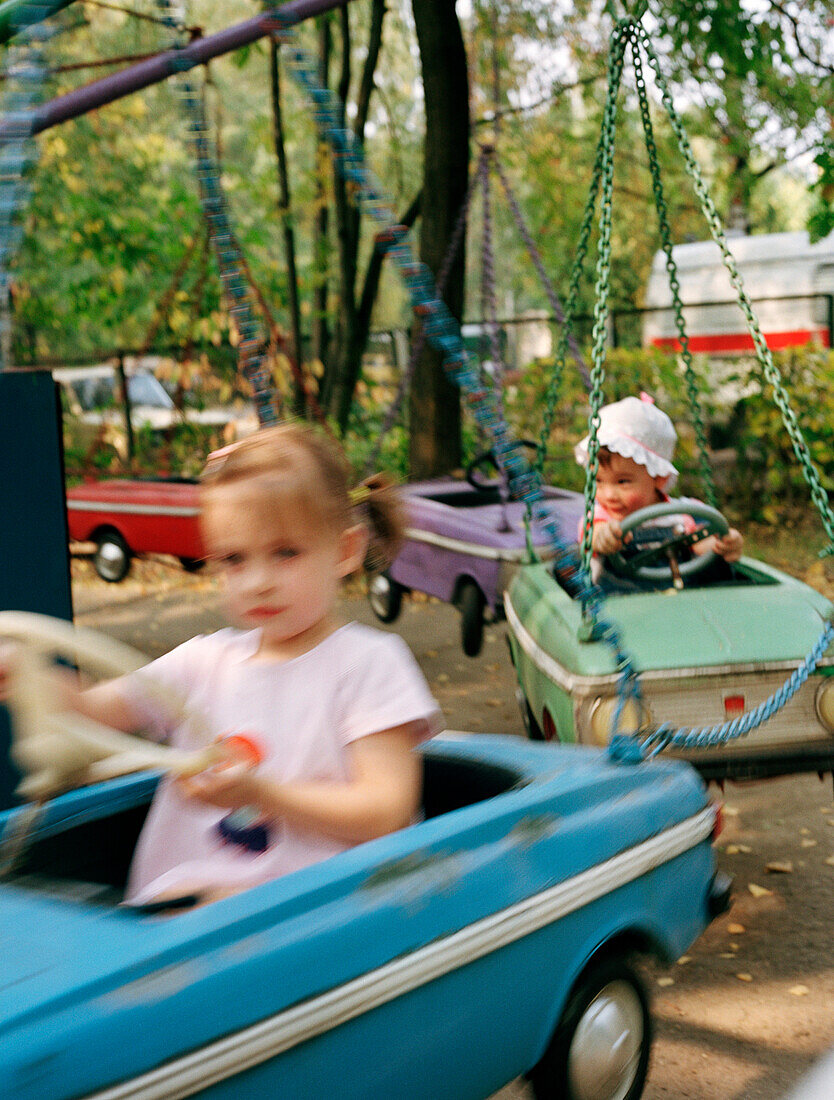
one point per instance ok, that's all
(377, 500)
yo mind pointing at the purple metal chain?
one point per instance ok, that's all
(419, 340)
(535, 256)
(489, 309)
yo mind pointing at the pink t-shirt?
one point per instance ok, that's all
(303, 713)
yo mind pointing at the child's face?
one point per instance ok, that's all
(281, 575)
(623, 486)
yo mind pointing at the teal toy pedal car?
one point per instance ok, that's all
(707, 651)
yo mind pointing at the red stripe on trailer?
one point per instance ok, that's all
(743, 341)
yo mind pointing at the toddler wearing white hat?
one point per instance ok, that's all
(636, 447)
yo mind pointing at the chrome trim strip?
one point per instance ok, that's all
(257, 1044)
(131, 509)
(574, 684)
(473, 549)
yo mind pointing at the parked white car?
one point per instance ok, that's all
(93, 403)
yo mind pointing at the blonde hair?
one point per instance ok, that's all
(298, 466)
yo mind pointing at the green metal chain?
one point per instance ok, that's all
(771, 371)
(692, 389)
(621, 37)
(551, 397)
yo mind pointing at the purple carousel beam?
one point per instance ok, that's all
(163, 65)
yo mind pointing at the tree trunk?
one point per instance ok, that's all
(435, 440)
(299, 403)
(321, 330)
(355, 305)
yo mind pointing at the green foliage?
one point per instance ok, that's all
(773, 487)
(821, 220)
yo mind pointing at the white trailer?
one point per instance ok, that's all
(789, 281)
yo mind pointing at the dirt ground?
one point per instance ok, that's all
(750, 1007)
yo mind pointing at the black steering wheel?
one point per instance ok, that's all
(487, 458)
(667, 542)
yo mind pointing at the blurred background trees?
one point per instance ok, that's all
(114, 220)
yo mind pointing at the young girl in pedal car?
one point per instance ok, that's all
(636, 447)
(331, 710)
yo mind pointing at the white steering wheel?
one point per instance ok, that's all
(57, 749)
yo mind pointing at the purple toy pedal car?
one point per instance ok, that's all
(463, 543)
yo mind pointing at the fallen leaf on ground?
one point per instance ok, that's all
(731, 811)
(804, 832)
(665, 981)
(799, 991)
(745, 977)
(430, 653)
(736, 929)
(808, 843)
(826, 810)
(726, 955)
(830, 861)
(443, 678)
(684, 959)
(758, 891)
(780, 866)
(495, 702)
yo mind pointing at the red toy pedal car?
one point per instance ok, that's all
(136, 516)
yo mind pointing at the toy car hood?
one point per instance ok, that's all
(775, 620)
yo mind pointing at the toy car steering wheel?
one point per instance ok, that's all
(488, 458)
(57, 749)
(638, 566)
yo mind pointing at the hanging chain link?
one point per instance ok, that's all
(489, 305)
(535, 255)
(418, 341)
(692, 390)
(251, 348)
(621, 37)
(554, 388)
(771, 371)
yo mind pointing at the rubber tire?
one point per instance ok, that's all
(471, 603)
(385, 605)
(112, 557)
(192, 565)
(550, 1078)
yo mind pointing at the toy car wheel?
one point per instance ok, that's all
(192, 565)
(600, 1050)
(385, 597)
(471, 605)
(112, 557)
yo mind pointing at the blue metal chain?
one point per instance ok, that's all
(251, 349)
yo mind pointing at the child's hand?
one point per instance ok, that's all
(607, 537)
(729, 546)
(230, 786)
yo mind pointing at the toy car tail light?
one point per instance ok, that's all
(733, 706)
(824, 704)
(718, 820)
(548, 726)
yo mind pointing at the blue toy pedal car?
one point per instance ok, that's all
(493, 938)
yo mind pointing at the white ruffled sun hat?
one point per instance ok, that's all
(637, 429)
